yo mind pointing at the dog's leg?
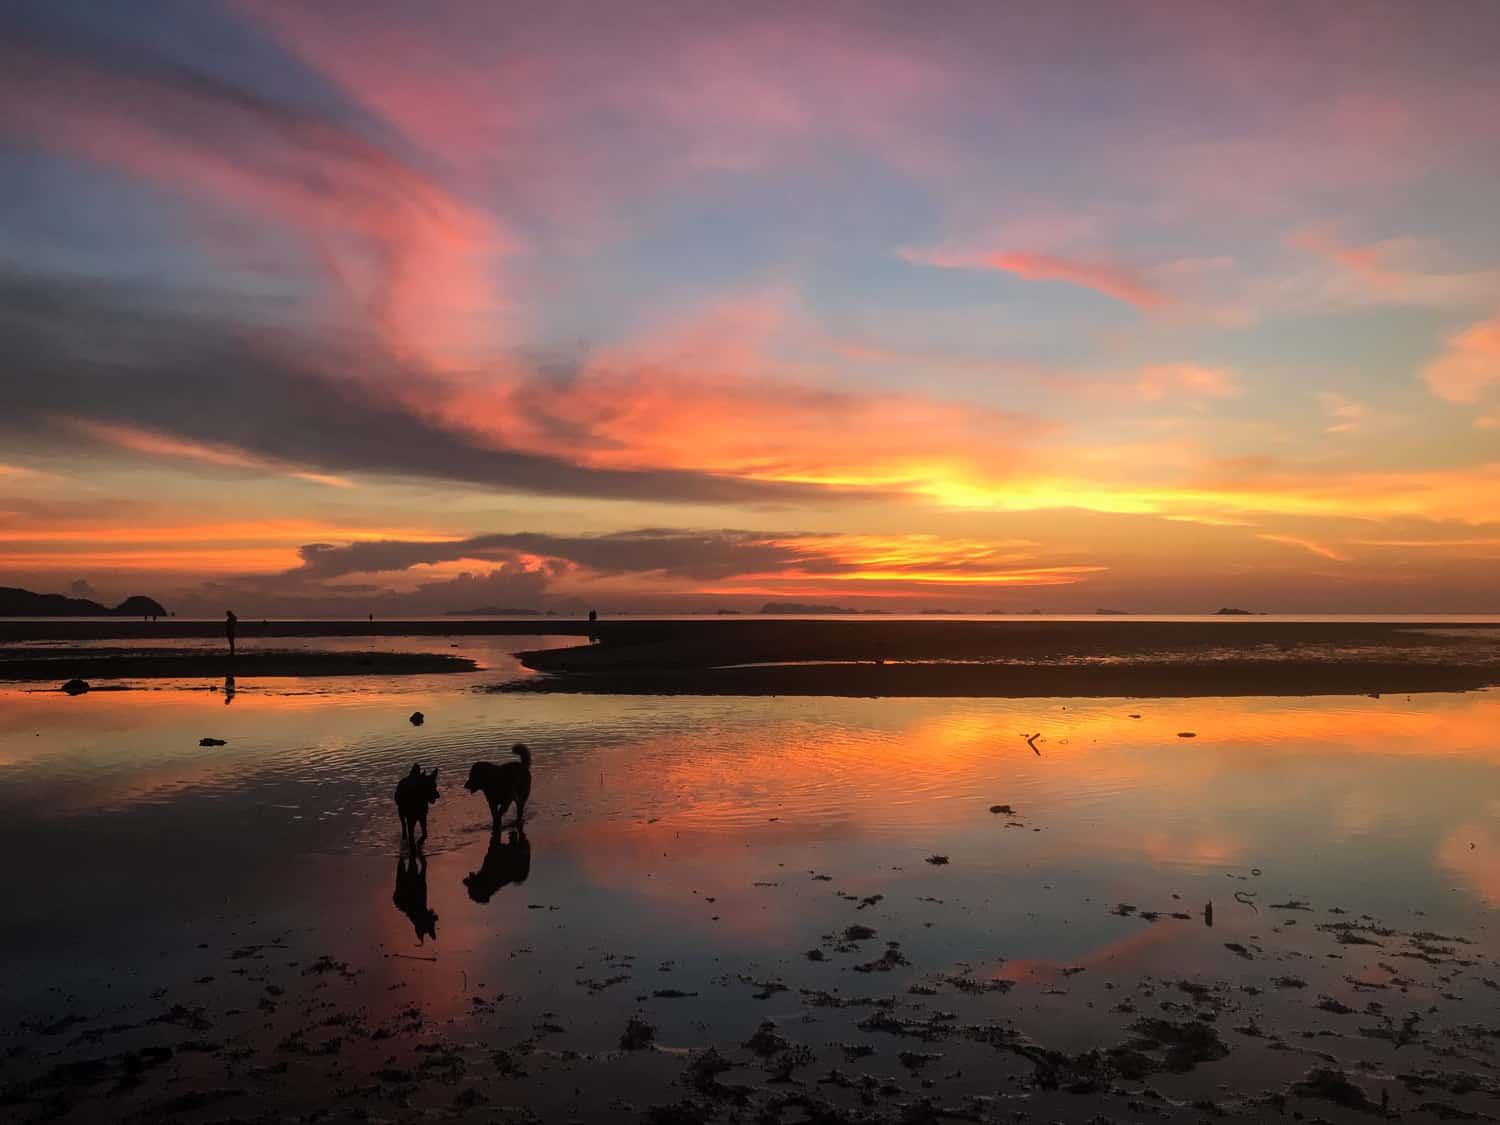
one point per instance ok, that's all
(520, 812)
(423, 821)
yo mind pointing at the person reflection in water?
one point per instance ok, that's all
(230, 621)
(508, 861)
(410, 895)
(228, 690)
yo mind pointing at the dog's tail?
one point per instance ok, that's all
(520, 751)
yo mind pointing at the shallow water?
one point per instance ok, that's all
(706, 845)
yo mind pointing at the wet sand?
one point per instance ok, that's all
(724, 909)
(828, 910)
(60, 665)
(1020, 659)
(1021, 681)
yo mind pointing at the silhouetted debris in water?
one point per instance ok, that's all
(1337, 1007)
(212, 742)
(1006, 809)
(1031, 741)
(1389, 1031)
(892, 958)
(857, 932)
(417, 718)
(598, 986)
(767, 988)
(937, 860)
(1187, 734)
(1239, 950)
(978, 987)
(1290, 904)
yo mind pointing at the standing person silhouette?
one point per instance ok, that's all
(230, 621)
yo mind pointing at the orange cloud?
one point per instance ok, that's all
(1306, 544)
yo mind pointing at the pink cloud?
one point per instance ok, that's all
(1469, 366)
(410, 255)
(1113, 281)
(520, 101)
(1120, 282)
(1163, 380)
(1153, 383)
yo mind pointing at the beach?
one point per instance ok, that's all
(728, 908)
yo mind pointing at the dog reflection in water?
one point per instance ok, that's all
(508, 861)
(410, 896)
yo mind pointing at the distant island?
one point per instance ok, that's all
(15, 602)
(806, 608)
(1112, 613)
(493, 611)
(1230, 611)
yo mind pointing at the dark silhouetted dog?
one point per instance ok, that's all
(507, 861)
(502, 784)
(414, 793)
(410, 895)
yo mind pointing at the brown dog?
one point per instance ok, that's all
(502, 784)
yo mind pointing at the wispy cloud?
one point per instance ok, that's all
(1310, 545)
(229, 456)
(1345, 415)
(1122, 283)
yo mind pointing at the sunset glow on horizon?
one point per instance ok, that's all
(365, 307)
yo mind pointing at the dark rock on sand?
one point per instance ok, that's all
(212, 742)
(417, 718)
(75, 686)
(638, 1035)
(1330, 1084)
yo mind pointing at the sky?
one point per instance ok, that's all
(360, 307)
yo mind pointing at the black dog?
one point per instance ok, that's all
(502, 784)
(414, 793)
(410, 895)
(507, 861)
